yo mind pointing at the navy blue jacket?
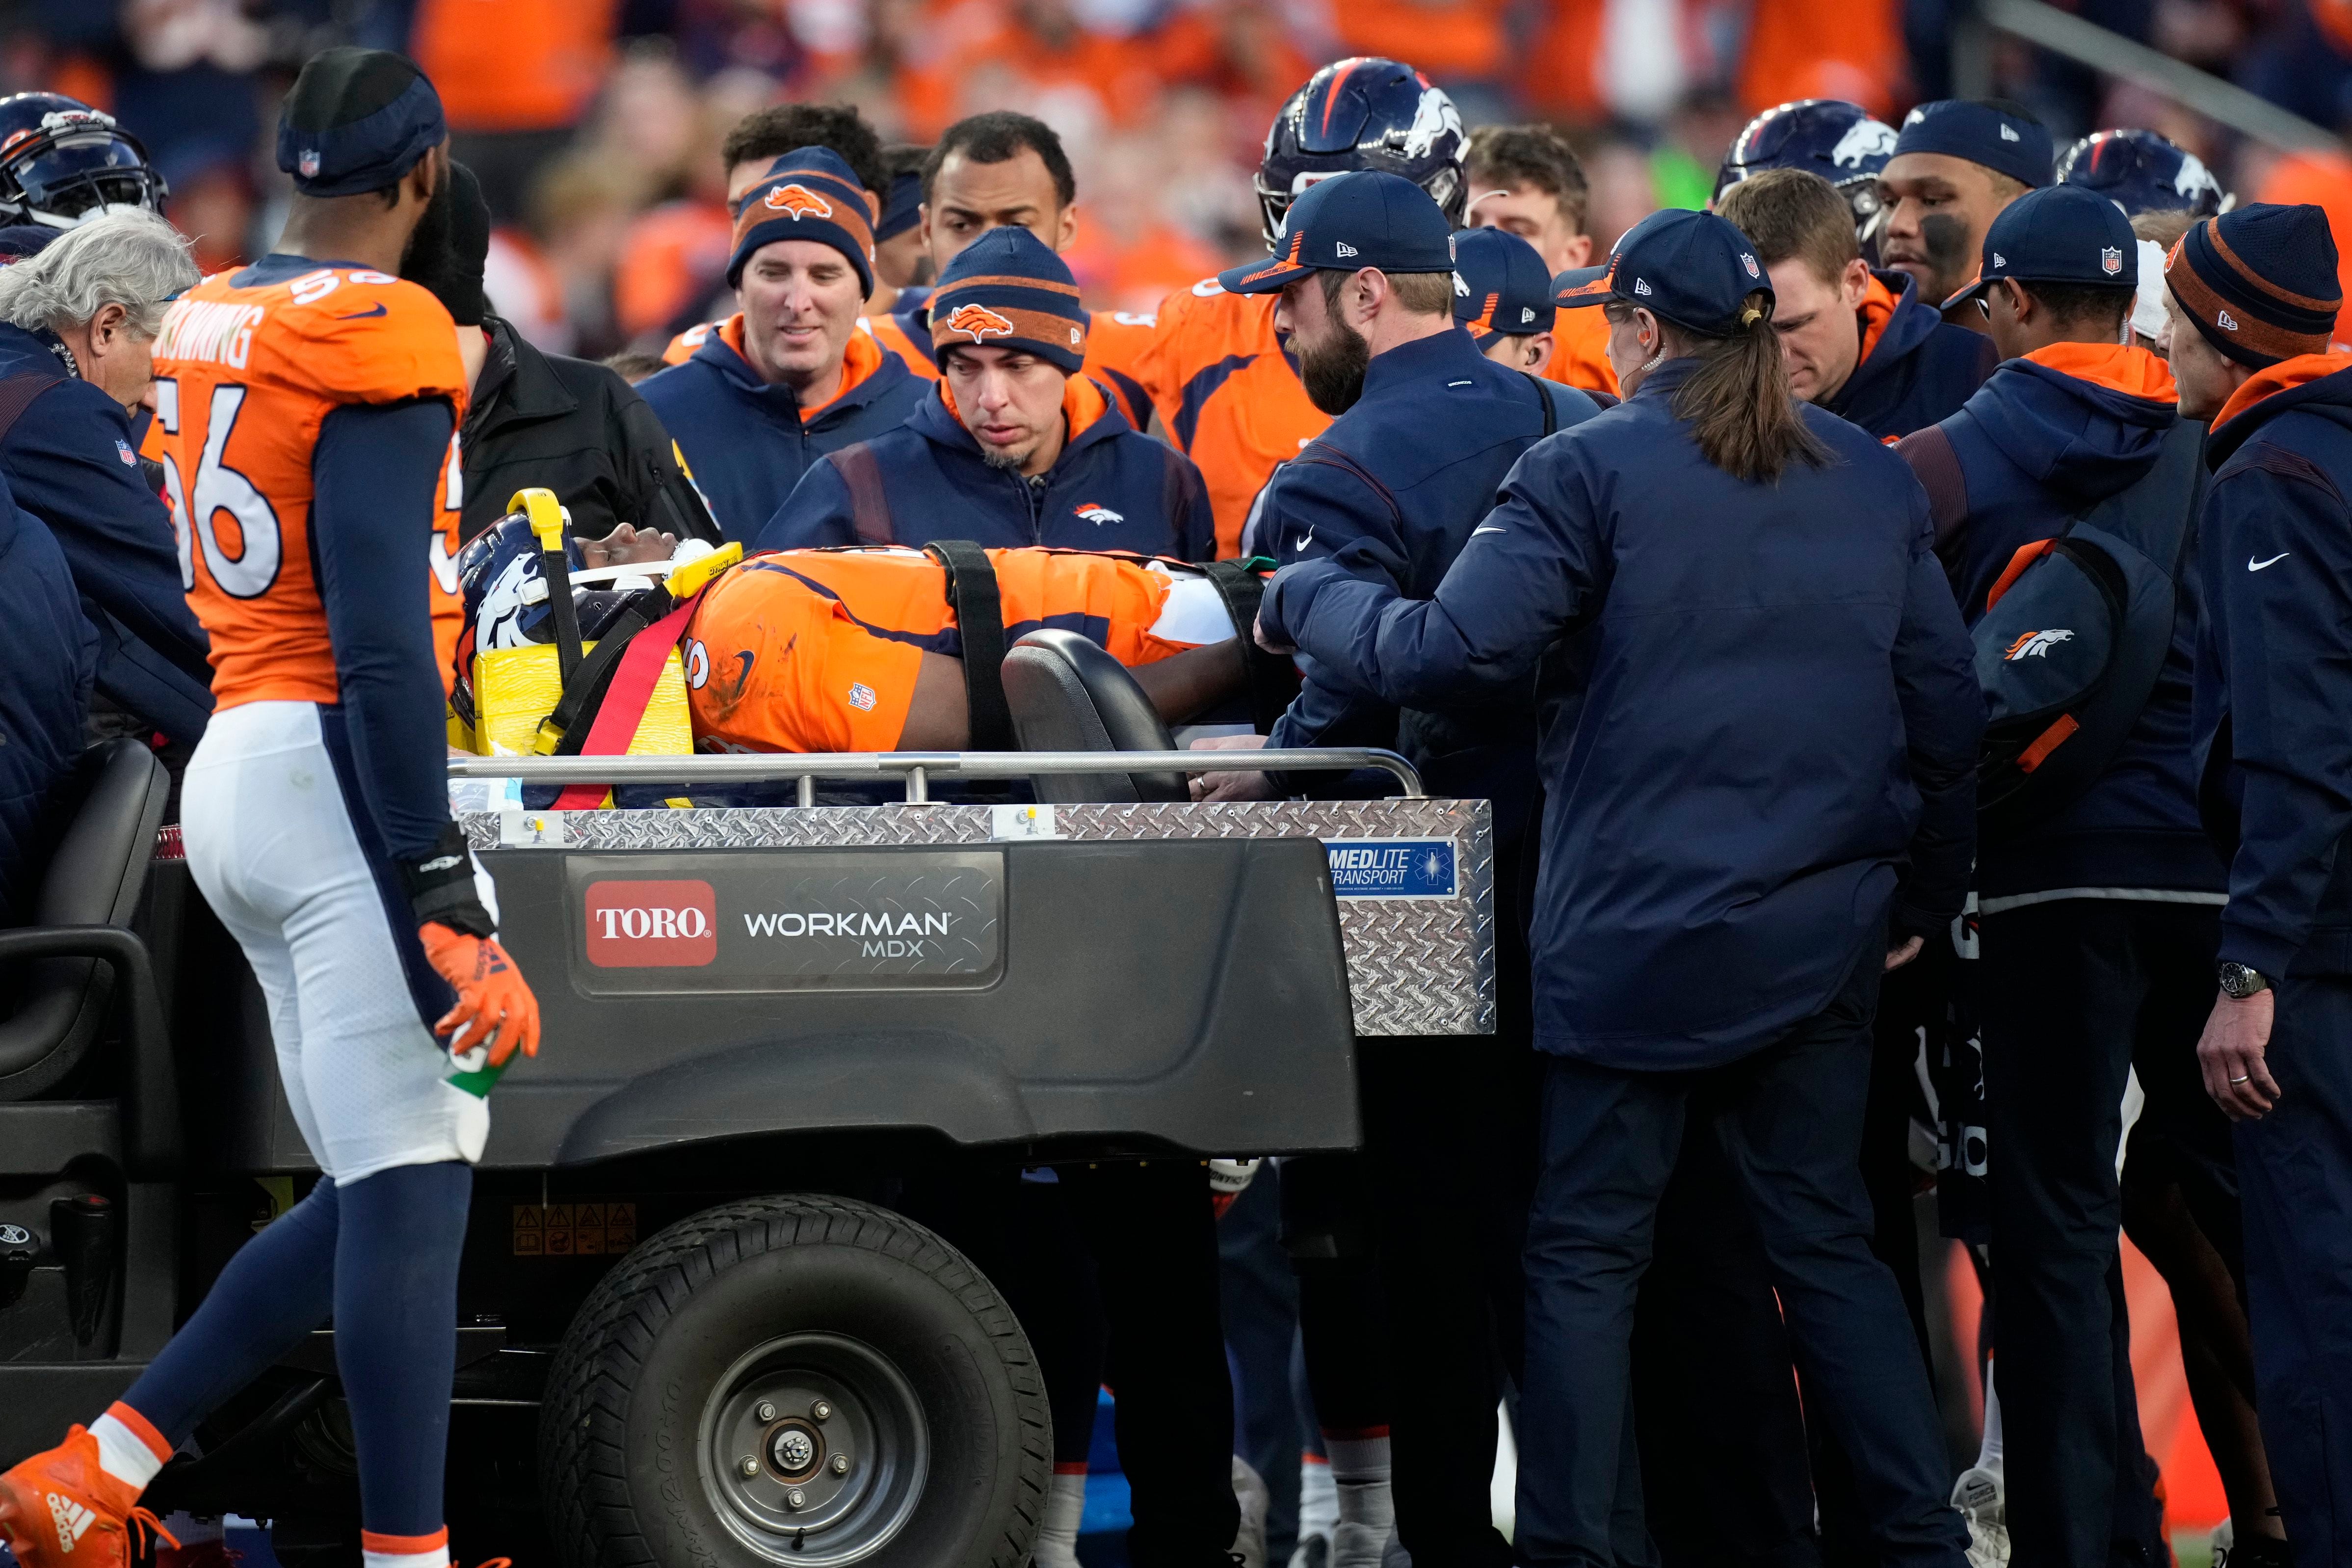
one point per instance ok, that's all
(1915, 366)
(71, 461)
(2273, 702)
(2040, 444)
(46, 661)
(1111, 489)
(743, 439)
(1394, 488)
(1773, 759)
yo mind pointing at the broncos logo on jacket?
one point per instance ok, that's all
(797, 200)
(979, 323)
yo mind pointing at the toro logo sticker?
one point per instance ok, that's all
(797, 200)
(651, 925)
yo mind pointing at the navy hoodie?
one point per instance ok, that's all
(1394, 488)
(72, 462)
(1915, 366)
(1773, 759)
(46, 664)
(744, 441)
(2050, 436)
(1111, 489)
(2273, 704)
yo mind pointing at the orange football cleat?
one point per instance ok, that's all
(61, 1510)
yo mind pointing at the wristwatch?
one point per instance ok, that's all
(2238, 982)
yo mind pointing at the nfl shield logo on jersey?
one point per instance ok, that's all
(123, 450)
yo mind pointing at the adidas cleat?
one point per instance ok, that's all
(61, 1510)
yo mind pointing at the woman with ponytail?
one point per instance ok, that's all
(1759, 727)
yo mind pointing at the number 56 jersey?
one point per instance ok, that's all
(248, 364)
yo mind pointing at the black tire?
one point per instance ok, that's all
(668, 1354)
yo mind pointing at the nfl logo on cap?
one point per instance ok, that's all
(1749, 262)
(307, 163)
(2112, 259)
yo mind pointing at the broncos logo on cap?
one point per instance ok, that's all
(797, 200)
(979, 323)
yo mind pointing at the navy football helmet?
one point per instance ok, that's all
(2141, 172)
(1837, 140)
(1362, 113)
(61, 161)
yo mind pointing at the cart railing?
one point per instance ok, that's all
(919, 768)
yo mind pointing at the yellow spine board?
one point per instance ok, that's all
(516, 687)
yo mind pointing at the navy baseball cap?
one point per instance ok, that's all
(1505, 288)
(2060, 234)
(1694, 268)
(902, 207)
(2005, 141)
(356, 120)
(1367, 218)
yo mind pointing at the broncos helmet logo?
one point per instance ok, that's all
(797, 200)
(979, 323)
(1434, 118)
(2036, 645)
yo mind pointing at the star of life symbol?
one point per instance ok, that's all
(1432, 866)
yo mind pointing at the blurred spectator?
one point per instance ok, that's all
(2325, 180)
(1851, 49)
(633, 367)
(515, 77)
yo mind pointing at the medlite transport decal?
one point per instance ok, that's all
(787, 920)
(1393, 868)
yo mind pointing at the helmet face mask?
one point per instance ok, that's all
(61, 162)
(1362, 113)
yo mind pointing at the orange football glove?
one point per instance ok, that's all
(492, 995)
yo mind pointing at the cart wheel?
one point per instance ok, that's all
(796, 1381)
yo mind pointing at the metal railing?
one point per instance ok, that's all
(2111, 54)
(919, 768)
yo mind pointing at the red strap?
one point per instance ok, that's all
(625, 700)
(2027, 554)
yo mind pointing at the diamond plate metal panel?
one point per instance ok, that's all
(1416, 966)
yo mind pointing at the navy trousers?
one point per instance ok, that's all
(2075, 993)
(1787, 1119)
(2294, 1178)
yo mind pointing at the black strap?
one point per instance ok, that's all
(979, 621)
(584, 693)
(16, 395)
(1273, 680)
(1543, 398)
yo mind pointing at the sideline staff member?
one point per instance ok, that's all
(2253, 299)
(1744, 590)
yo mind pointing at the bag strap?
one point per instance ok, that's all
(1543, 398)
(1272, 681)
(627, 697)
(2160, 533)
(869, 508)
(980, 622)
(16, 395)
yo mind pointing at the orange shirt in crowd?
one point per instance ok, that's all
(671, 257)
(971, 52)
(515, 65)
(2323, 180)
(1823, 48)
(1454, 39)
(1228, 396)
(270, 363)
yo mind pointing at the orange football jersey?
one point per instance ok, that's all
(244, 379)
(1227, 396)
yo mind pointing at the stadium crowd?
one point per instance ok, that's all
(1718, 493)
